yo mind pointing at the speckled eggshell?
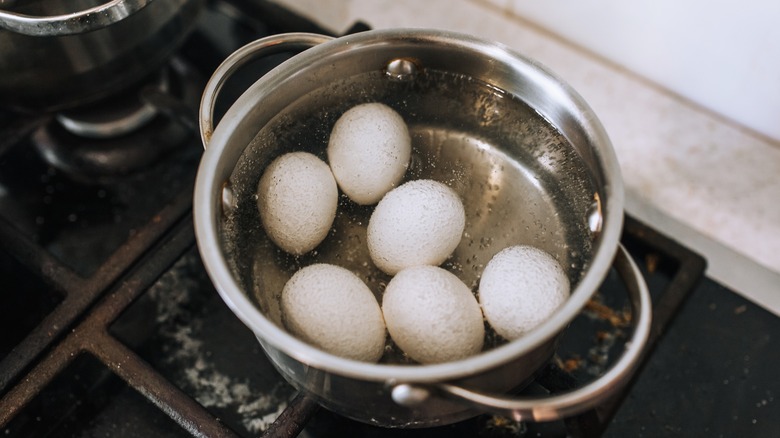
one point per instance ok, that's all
(520, 288)
(369, 150)
(331, 308)
(297, 198)
(432, 316)
(420, 222)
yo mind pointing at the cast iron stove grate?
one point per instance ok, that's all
(161, 346)
(112, 327)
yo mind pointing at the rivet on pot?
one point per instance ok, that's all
(595, 217)
(401, 69)
(408, 395)
(228, 198)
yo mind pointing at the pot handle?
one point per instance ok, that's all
(84, 21)
(566, 404)
(271, 45)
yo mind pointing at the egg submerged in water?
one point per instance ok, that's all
(420, 222)
(331, 308)
(297, 198)
(432, 315)
(369, 150)
(520, 288)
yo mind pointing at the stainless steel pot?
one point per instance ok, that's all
(56, 54)
(581, 182)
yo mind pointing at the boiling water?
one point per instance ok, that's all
(520, 180)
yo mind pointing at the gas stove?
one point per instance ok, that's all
(112, 327)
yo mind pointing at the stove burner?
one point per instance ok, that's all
(114, 117)
(121, 135)
(86, 158)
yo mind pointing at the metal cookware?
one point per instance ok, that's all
(56, 54)
(558, 188)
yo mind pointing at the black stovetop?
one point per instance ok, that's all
(112, 328)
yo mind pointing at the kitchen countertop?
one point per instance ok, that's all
(709, 182)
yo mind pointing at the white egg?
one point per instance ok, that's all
(331, 308)
(369, 151)
(418, 223)
(520, 288)
(432, 316)
(297, 198)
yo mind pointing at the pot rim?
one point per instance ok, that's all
(207, 212)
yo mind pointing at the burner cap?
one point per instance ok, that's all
(91, 158)
(115, 116)
(123, 134)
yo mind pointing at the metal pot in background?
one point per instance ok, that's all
(60, 54)
(588, 178)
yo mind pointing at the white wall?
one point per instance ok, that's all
(723, 55)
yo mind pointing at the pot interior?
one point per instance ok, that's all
(520, 178)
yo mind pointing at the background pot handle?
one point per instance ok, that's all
(563, 405)
(287, 42)
(87, 20)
